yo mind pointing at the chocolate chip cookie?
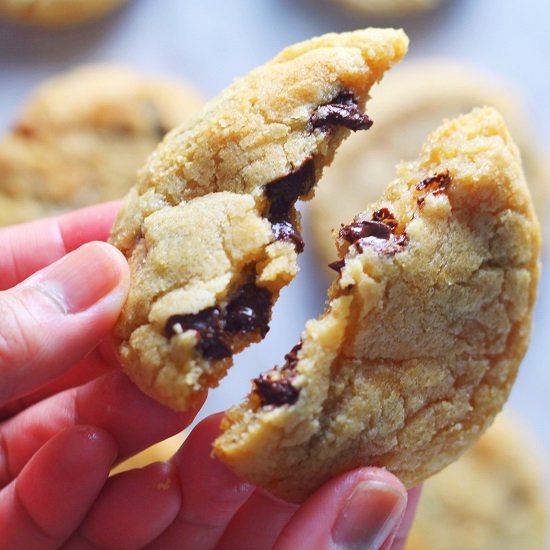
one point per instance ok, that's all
(426, 324)
(492, 498)
(436, 89)
(56, 13)
(210, 230)
(82, 136)
(389, 7)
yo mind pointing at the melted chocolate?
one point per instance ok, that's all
(275, 392)
(343, 110)
(284, 231)
(385, 216)
(291, 358)
(248, 310)
(208, 324)
(361, 230)
(435, 185)
(338, 265)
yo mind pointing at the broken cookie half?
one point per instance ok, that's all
(426, 324)
(211, 231)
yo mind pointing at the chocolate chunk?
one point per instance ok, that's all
(341, 111)
(249, 310)
(283, 193)
(275, 392)
(337, 265)
(208, 324)
(385, 216)
(435, 185)
(385, 247)
(291, 358)
(284, 231)
(360, 230)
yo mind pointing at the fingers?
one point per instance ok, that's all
(403, 532)
(211, 494)
(359, 509)
(134, 508)
(111, 402)
(26, 248)
(258, 523)
(53, 318)
(55, 489)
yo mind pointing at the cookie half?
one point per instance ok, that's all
(56, 13)
(436, 89)
(82, 136)
(210, 230)
(425, 327)
(492, 498)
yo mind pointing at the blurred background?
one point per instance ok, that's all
(207, 43)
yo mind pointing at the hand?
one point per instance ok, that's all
(69, 414)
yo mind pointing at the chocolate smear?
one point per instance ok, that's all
(343, 110)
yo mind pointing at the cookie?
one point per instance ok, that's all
(56, 13)
(435, 89)
(389, 7)
(82, 136)
(210, 230)
(425, 327)
(492, 498)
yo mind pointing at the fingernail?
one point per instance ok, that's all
(370, 514)
(82, 277)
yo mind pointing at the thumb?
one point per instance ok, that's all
(56, 316)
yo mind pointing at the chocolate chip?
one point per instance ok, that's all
(208, 324)
(284, 231)
(291, 358)
(343, 110)
(385, 216)
(249, 310)
(338, 265)
(385, 247)
(360, 230)
(436, 184)
(283, 192)
(275, 392)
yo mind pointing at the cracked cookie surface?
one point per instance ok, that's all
(210, 230)
(426, 324)
(436, 89)
(492, 498)
(82, 136)
(56, 13)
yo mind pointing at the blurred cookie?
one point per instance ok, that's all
(82, 136)
(211, 231)
(413, 100)
(389, 7)
(56, 13)
(492, 498)
(424, 330)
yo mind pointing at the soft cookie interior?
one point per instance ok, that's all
(425, 325)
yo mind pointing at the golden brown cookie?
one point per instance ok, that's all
(492, 498)
(414, 99)
(211, 232)
(56, 13)
(82, 136)
(389, 7)
(425, 327)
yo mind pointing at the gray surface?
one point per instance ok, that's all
(209, 42)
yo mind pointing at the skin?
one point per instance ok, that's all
(68, 415)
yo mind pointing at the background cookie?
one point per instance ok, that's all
(82, 136)
(424, 330)
(389, 7)
(492, 498)
(414, 99)
(56, 13)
